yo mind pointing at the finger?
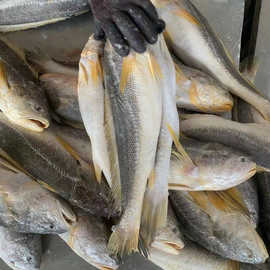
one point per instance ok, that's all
(149, 8)
(160, 26)
(99, 34)
(147, 27)
(116, 39)
(130, 31)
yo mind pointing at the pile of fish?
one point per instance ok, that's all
(117, 155)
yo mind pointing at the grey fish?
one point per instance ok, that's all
(193, 40)
(28, 208)
(134, 123)
(249, 194)
(219, 222)
(24, 14)
(50, 160)
(212, 166)
(191, 257)
(22, 99)
(88, 238)
(252, 139)
(20, 251)
(197, 91)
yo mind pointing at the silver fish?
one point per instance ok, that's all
(193, 40)
(22, 99)
(20, 251)
(197, 91)
(219, 221)
(26, 207)
(212, 166)
(24, 14)
(131, 84)
(252, 139)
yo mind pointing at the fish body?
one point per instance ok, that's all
(88, 238)
(24, 14)
(28, 208)
(191, 257)
(155, 205)
(251, 139)
(134, 99)
(219, 222)
(197, 91)
(193, 40)
(61, 90)
(20, 251)
(214, 167)
(22, 99)
(56, 166)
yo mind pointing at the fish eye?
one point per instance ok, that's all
(12, 262)
(37, 108)
(51, 226)
(243, 159)
(29, 259)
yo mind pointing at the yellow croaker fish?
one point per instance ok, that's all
(155, 205)
(193, 40)
(198, 91)
(22, 100)
(133, 110)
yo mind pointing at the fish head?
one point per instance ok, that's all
(224, 164)
(30, 112)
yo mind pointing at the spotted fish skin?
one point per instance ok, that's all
(24, 14)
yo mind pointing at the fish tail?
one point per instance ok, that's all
(154, 217)
(123, 241)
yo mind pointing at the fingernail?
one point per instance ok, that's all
(160, 26)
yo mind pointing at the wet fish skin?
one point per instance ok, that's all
(24, 14)
(28, 208)
(22, 99)
(137, 127)
(192, 257)
(193, 40)
(61, 90)
(56, 167)
(20, 251)
(215, 167)
(252, 139)
(88, 238)
(228, 233)
(197, 91)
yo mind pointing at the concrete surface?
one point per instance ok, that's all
(67, 38)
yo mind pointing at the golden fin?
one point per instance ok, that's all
(68, 148)
(182, 154)
(187, 16)
(3, 78)
(180, 76)
(167, 247)
(101, 267)
(194, 96)
(175, 186)
(151, 179)
(46, 186)
(199, 198)
(154, 67)
(96, 71)
(128, 64)
(83, 77)
(154, 218)
(233, 265)
(72, 231)
(98, 172)
(123, 242)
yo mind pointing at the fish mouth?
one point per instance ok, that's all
(102, 267)
(67, 215)
(252, 172)
(168, 247)
(39, 124)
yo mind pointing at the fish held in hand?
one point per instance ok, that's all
(26, 207)
(22, 99)
(197, 91)
(24, 14)
(20, 251)
(219, 221)
(212, 166)
(193, 41)
(131, 84)
(154, 213)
